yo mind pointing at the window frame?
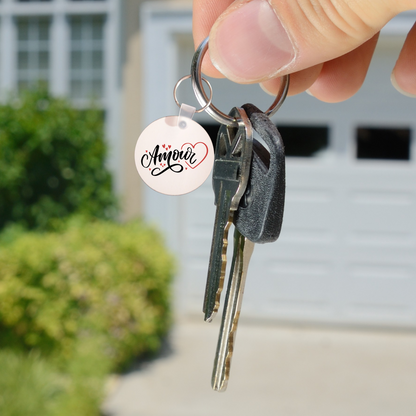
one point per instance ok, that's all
(59, 71)
(32, 47)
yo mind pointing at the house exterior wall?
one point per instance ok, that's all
(132, 107)
(134, 101)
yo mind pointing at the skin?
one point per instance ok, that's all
(333, 42)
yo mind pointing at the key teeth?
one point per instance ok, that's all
(210, 314)
(221, 384)
(243, 249)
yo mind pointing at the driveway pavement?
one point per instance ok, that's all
(276, 370)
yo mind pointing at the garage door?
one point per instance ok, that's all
(347, 251)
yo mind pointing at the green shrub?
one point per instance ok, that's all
(52, 160)
(79, 296)
(29, 386)
(89, 281)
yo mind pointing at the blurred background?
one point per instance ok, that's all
(79, 81)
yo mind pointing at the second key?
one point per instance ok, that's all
(230, 176)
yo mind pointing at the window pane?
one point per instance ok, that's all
(43, 59)
(43, 30)
(32, 51)
(304, 141)
(97, 59)
(76, 29)
(76, 88)
(383, 143)
(76, 60)
(23, 30)
(23, 60)
(212, 130)
(300, 141)
(97, 28)
(87, 57)
(97, 88)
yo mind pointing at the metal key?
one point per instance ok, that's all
(229, 178)
(267, 176)
(243, 249)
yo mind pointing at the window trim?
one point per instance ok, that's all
(59, 74)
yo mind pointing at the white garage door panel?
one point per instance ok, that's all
(380, 244)
(347, 250)
(385, 300)
(379, 217)
(295, 276)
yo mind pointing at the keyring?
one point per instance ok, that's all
(207, 103)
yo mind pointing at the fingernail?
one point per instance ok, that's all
(309, 92)
(396, 85)
(249, 43)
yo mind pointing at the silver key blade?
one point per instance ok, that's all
(243, 249)
(230, 176)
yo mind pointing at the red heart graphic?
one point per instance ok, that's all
(163, 145)
(169, 146)
(202, 152)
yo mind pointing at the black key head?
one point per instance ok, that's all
(259, 216)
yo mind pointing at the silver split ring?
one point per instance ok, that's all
(207, 103)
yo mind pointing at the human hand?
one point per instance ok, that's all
(326, 45)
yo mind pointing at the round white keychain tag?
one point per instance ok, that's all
(174, 155)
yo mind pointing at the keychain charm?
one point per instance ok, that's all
(174, 155)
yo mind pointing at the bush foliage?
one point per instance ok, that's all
(92, 281)
(51, 162)
(80, 296)
(28, 385)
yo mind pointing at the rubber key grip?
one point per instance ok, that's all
(259, 216)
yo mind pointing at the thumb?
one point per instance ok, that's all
(253, 41)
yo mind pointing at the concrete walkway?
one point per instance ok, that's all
(276, 371)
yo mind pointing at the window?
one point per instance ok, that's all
(304, 141)
(299, 141)
(383, 143)
(212, 130)
(87, 57)
(32, 51)
(49, 41)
